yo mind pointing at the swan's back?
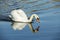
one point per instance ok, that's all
(19, 15)
(22, 13)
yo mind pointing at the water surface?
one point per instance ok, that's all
(47, 10)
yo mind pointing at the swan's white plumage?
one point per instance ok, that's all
(19, 15)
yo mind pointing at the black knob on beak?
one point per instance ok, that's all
(38, 20)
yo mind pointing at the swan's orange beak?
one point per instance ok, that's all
(38, 20)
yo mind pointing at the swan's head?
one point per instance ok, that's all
(37, 18)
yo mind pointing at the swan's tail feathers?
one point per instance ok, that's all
(5, 18)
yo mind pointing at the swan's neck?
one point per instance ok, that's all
(34, 15)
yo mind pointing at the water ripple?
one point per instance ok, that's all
(47, 10)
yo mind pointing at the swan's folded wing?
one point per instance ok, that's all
(19, 15)
(22, 13)
(18, 26)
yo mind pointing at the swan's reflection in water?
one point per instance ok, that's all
(21, 26)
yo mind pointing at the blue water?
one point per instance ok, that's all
(47, 10)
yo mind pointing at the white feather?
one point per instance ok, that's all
(19, 15)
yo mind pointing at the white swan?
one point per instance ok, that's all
(20, 16)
